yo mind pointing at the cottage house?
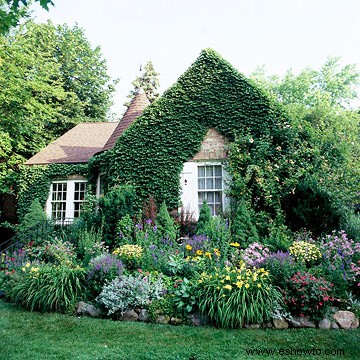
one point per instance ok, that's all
(174, 149)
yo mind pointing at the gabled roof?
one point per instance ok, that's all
(135, 109)
(78, 145)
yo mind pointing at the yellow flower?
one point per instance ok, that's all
(27, 265)
(228, 287)
(188, 247)
(23, 269)
(208, 254)
(247, 285)
(235, 244)
(227, 277)
(259, 285)
(239, 284)
(199, 252)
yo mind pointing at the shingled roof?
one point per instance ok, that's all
(135, 109)
(78, 145)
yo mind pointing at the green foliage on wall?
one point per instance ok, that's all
(35, 182)
(211, 93)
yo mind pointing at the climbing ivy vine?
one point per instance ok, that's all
(210, 94)
(35, 182)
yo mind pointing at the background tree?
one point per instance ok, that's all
(320, 104)
(12, 11)
(308, 168)
(50, 80)
(148, 81)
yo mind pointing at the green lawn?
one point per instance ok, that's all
(26, 335)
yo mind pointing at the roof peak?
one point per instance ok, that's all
(134, 110)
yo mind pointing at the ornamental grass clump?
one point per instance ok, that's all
(234, 297)
(305, 252)
(130, 254)
(48, 287)
(306, 294)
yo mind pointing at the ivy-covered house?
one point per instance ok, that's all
(174, 149)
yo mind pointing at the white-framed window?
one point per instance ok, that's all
(65, 199)
(204, 180)
(210, 187)
(100, 185)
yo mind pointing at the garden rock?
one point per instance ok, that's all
(295, 321)
(198, 320)
(129, 315)
(81, 308)
(162, 319)
(324, 324)
(334, 325)
(175, 321)
(252, 326)
(93, 311)
(144, 315)
(87, 309)
(280, 323)
(305, 322)
(346, 319)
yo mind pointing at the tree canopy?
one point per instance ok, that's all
(12, 11)
(50, 79)
(310, 171)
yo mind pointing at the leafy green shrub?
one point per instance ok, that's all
(351, 225)
(305, 294)
(55, 251)
(184, 296)
(130, 292)
(125, 230)
(234, 297)
(279, 237)
(48, 287)
(164, 306)
(113, 206)
(90, 244)
(312, 207)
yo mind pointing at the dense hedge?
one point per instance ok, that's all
(35, 182)
(211, 93)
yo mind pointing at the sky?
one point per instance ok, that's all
(279, 34)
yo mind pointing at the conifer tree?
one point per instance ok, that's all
(242, 229)
(204, 219)
(34, 216)
(148, 81)
(165, 224)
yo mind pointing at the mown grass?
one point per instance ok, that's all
(26, 335)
